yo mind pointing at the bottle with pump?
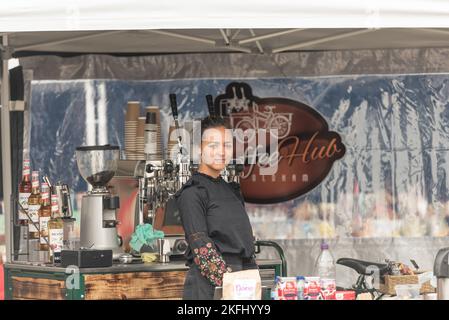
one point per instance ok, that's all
(24, 192)
(34, 206)
(55, 231)
(44, 217)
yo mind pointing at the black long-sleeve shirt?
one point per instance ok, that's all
(216, 225)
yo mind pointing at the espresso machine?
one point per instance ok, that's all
(441, 272)
(97, 165)
(159, 179)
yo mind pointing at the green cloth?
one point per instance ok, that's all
(144, 235)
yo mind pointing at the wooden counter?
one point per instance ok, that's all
(121, 281)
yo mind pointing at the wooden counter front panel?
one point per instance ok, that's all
(37, 289)
(139, 285)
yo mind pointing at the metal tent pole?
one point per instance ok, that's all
(67, 40)
(268, 36)
(6, 147)
(323, 40)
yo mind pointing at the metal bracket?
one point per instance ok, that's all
(17, 105)
(233, 45)
(6, 52)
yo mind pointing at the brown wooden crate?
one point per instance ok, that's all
(38, 288)
(139, 285)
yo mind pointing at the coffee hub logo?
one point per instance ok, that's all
(304, 148)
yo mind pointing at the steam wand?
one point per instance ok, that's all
(174, 111)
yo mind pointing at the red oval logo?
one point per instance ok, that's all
(306, 149)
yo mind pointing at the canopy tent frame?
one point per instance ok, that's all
(322, 40)
(217, 44)
(221, 40)
(6, 145)
(67, 40)
(228, 42)
(268, 36)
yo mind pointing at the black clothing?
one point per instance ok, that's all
(218, 232)
(198, 287)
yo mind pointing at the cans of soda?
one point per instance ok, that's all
(312, 288)
(345, 295)
(328, 289)
(286, 288)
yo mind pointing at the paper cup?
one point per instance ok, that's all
(141, 127)
(132, 110)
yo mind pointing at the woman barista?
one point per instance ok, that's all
(214, 218)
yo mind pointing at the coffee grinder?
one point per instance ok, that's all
(97, 165)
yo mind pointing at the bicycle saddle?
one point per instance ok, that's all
(363, 267)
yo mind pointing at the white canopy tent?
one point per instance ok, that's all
(263, 27)
(82, 15)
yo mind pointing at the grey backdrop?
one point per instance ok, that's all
(300, 252)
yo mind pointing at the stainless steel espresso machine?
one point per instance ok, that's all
(159, 180)
(97, 165)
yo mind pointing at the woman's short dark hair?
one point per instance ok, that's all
(213, 122)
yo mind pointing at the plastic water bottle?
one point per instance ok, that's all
(325, 265)
(301, 282)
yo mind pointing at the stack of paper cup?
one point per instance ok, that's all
(140, 139)
(156, 154)
(131, 122)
